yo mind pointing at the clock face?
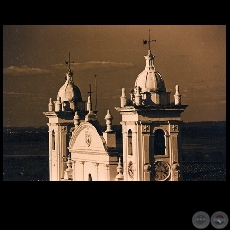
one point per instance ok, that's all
(161, 170)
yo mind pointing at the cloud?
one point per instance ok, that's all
(24, 95)
(100, 65)
(216, 103)
(24, 70)
(15, 93)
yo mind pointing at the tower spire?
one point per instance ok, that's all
(145, 41)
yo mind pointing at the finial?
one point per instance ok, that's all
(108, 119)
(177, 96)
(50, 106)
(123, 98)
(68, 173)
(119, 171)
(58, 104)
(76, 119)
(138, 97)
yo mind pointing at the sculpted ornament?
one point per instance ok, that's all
(131, 170)
(175, 169)
(147, 168)
(88, 139)
(145, 128)
(174, 127)
(64, 129)
(175, 166)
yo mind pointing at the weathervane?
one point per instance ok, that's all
(68, 62)
(145, 41)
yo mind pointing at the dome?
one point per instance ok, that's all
(69, 91)
(150, 80)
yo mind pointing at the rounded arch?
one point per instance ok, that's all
(130, 148)
(159, 142)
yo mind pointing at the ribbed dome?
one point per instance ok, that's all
(69, 91)
(149, 80)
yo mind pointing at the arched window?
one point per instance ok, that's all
(159, 142)
(129, 142)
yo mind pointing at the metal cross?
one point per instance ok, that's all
(90, 92)
(68, 62)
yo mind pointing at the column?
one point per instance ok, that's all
(50, 151)
(74, 170)
(167, 143)
(146, 150)
(135, 153)
(107, 172)
(82, 163)
(96, 167)
(56, 156)
(174, 131)
(63, 133)
(125, 142)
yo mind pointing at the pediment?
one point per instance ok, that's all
(86, 138)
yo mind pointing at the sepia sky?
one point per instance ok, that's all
(191, 56)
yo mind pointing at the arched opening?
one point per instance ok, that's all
(159, 142)
(53, 140)
(130, 142)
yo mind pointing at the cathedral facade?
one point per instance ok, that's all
(80, 151)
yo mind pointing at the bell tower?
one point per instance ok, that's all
(62, 115)
(151, 128)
